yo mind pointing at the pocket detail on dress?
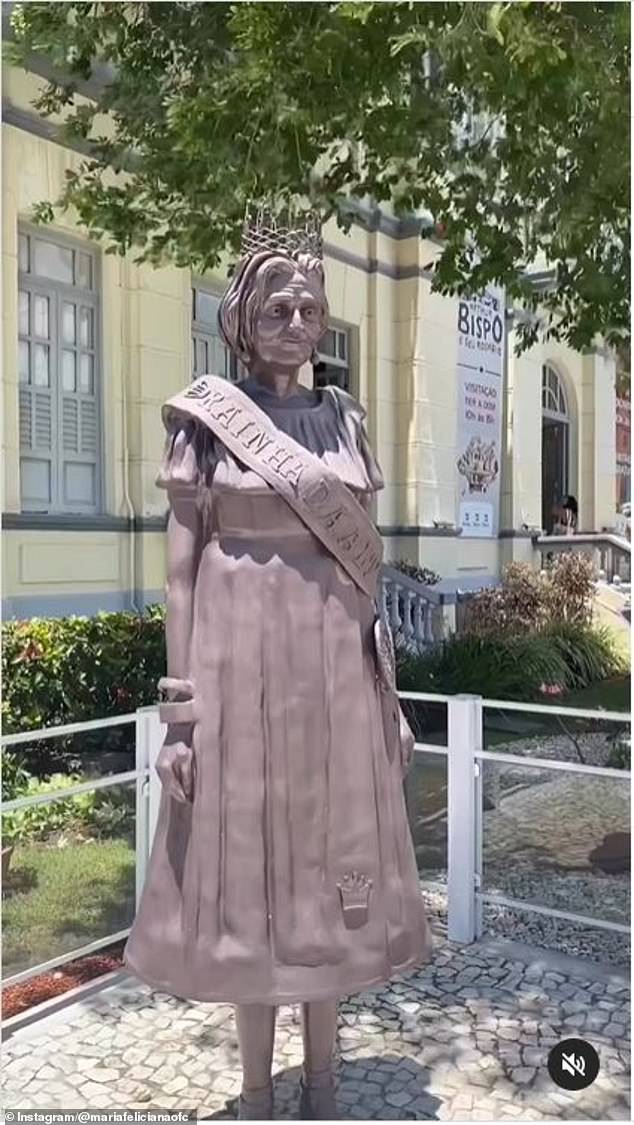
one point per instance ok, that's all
(399, 738)
(172, 710)
(181, 712)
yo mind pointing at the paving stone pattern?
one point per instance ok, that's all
(465, 1038)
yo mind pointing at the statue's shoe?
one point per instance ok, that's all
(317, 1101)
(256, 1105)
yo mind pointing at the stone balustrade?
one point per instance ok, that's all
(611, 553)
(421, 614)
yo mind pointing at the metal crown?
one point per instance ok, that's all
(290, 233)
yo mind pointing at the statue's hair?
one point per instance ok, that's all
(247, 290)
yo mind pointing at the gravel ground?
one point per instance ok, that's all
(540, 829)
(599, 946)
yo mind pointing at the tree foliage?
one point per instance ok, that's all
(214, 104)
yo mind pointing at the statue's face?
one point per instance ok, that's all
(289, 322)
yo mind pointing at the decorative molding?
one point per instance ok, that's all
(150, 523)
(44, 521)
(24, 607)
(374, 219)
(415, 531)
(40, 127)
(370, 218)
(373, 265)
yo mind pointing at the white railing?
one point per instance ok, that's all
(464, 753)
(611, 553)
(148, 736)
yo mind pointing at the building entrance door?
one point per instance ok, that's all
(554, 468)
(555, 445)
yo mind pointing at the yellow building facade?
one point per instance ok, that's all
(92, 345)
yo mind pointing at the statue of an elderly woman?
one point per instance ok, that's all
(282, 869)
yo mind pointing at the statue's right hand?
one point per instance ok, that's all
(176, 767)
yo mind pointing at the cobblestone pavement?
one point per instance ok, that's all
(466, 1038)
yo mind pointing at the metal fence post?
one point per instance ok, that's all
(156, 732)
(141, 832)
(464, 739)
(150, 733)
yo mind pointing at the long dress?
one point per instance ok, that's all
(296, 804)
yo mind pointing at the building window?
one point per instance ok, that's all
(58, 374)
(210, 356)
(554, 402)
(333, 365)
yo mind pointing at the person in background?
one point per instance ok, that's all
(556, 518)
(570, 514)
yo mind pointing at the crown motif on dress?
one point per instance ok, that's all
(479, 464)
(289, 232)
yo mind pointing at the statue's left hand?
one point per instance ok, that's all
(176, 764)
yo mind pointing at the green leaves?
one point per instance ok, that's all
(495, 15)
(483, 114)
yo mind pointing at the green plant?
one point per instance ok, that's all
(566, 656)
(15, 776)
(59, 669)
(97, 813)
(504, 120)
(620, 755)
(590, 652)
(114, 813)
(66, 815)
(72, 669)
(507, 668)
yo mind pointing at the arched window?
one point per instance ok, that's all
(554, 402)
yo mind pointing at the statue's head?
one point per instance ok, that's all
(275, 309)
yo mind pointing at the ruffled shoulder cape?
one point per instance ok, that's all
(333, 428)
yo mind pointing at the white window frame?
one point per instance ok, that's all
(554, 397)
(345, 369)
(202, 335)
(88, 414)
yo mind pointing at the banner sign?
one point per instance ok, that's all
(481, 348)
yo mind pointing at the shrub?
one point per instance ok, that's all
(620, 755)
(113, 814)
(590, 653)
(418, 573)
(567, 656)
(512, 667)
(569, 588)
(527, 601)
(518, 605)
(73, 669)
(96, 813)
(39, 822)
(506, 668)
(15, 776)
